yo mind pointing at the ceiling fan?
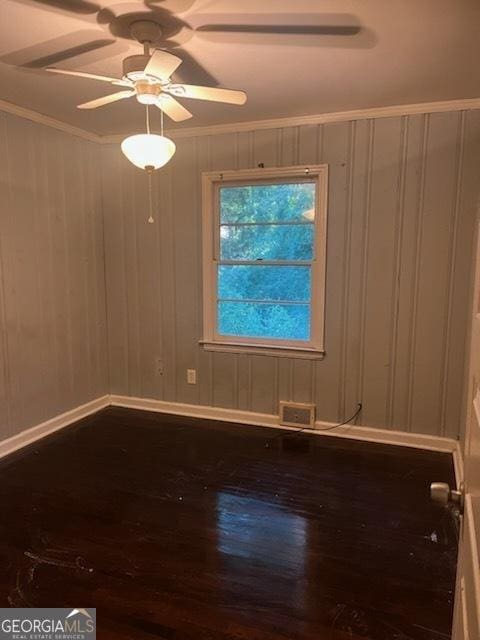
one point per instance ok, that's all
(148, 78)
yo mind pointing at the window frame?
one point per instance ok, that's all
(211, 183)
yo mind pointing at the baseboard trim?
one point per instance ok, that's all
(39, 431)
(354, 432)
(196, 411)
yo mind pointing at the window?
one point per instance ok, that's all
(264, 233)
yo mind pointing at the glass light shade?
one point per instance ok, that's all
(147, 98)
(148, 150)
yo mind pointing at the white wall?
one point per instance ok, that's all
(52, 296)
(402, 197)
(402, 201)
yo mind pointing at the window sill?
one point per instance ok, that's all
(256, 349)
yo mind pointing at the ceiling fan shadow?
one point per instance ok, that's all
(172, 6)
(365, 39)
(83, 43)
(191, 71)
(175, 32)
(284, 29)
(79, 7)
(307, 30)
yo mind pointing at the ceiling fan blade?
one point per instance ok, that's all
(91, 76)
(173, 109)
(100, 102)
(162, 64)
(229, 96)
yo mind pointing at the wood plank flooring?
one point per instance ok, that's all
(184, 529)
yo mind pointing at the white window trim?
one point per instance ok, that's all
(314, 349)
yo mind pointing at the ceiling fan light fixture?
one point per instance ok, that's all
(147, 98)
(148, 150)
(147, 92)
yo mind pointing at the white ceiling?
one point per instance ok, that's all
(407, 51)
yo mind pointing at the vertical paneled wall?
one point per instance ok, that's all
(402, 204)
(52, 291)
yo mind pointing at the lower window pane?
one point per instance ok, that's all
(254, 320)
(262, 282)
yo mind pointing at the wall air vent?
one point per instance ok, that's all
(296, 414)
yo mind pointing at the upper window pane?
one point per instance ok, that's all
(266, 242)
(286, 202)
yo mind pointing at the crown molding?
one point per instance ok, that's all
(467, 104)
(40, 118)
(322, 118)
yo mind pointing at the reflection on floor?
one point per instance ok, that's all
(182, 529)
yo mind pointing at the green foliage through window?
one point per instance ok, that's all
(266, 245)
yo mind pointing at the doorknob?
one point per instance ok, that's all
(440, 492)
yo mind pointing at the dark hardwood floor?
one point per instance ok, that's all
(181, 529)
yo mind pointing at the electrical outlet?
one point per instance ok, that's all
(192, 376)
(158, 366)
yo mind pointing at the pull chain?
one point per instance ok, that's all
(150, 198)
(161, 122)
(147, 118)
(149, 171)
